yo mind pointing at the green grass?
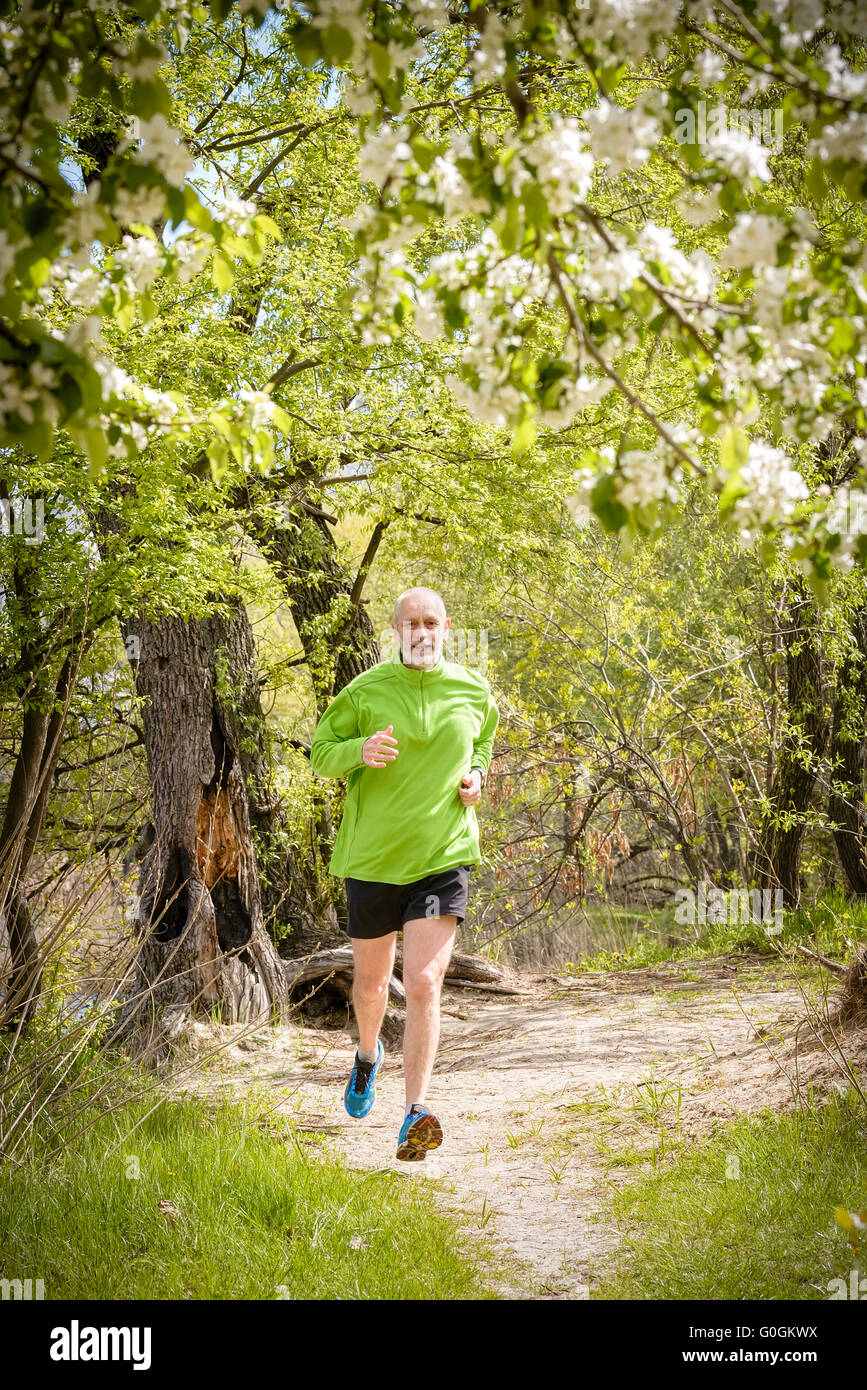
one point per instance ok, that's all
(648, 939)
(251, 1215)
(692, 1229)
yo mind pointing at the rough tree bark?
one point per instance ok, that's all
(38, 752)
(339, 643)
(776, 858)
(204, 945)
(848, 756)
(327, 608)
(42, 681)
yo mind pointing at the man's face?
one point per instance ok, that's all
(421, 632)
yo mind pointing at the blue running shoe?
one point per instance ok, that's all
(360, 1091)
(420, 1131)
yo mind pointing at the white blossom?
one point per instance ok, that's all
(88, 221)
(83, 287)
(343, 15)
(741, 156)
(17, 394)
(7, 255)
(144, 205)
(55, 109)
(143, 67)
(163, 408)
(605, 273)
(115, 381)
(431, 14)
(753, 241)
(162, 146)
(489, 59)
(235, 212)
(141, 259)
(492, 403)
(774, 486)
(623, 137)
(454, 192)
(426, 317)
(260, 404)
(383, 155)
(709, 68)
(699, 208)
(845, 139)
(361, 99)
(564, 165)
(82, 333)
(644, 478)
(574, 396)
(191, 255)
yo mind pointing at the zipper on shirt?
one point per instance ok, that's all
(423, 712)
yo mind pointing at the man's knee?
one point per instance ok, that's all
(369, 988)
(424, 986)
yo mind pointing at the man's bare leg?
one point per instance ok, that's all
(374, 962)
(427, 949)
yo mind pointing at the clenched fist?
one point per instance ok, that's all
(470, 790)
(375, 750)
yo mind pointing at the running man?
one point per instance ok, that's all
(413, 736)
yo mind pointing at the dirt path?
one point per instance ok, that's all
(521, 1086)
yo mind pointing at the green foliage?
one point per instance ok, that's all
(186, 1200)
(748, 1213)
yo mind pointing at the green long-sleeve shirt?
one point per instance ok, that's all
(406, 820)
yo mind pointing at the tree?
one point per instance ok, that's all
(200, 910)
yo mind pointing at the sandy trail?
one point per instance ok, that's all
(690, 1040)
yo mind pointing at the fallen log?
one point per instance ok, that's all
(330, 972)
(335, 966)
(834, 965)
(473, 970)
(483, 985)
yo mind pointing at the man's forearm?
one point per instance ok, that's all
(336, 758)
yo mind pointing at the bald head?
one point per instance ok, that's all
(418, 595)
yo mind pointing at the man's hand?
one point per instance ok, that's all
(375, 750)
(470, 790)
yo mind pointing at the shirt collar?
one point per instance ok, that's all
(411, 673)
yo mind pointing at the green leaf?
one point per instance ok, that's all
(195, 211)
(536, 206)
(218, 457)
(219, 422)
(381, 61)
(222, 272)
(734, 448)
(603, 500)
(843, 336)
(124, 317)
(93, 444)
(266, 224)
(151, 98)
(337, 43)
(424, 150)
(524, 436)
(307, 43)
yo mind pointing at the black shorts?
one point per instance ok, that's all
(375, 909)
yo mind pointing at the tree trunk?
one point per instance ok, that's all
(777, 855)
(335, 630)
(297, 906)
(339, 643)
(846, 806)
(204, 945)
(45, 707)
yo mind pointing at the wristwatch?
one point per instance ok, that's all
(481, 772)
